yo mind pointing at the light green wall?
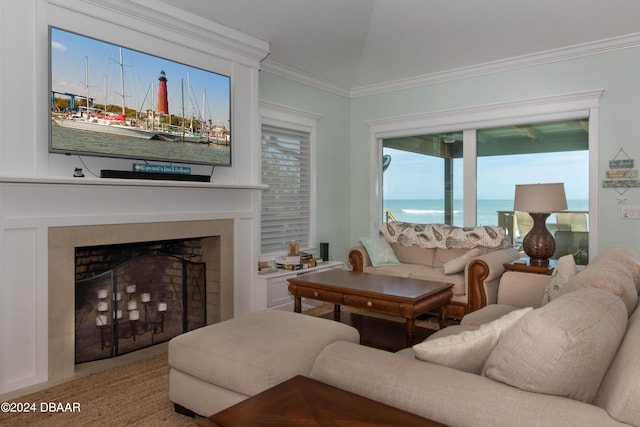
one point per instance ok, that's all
(617, 72)
(332, 152)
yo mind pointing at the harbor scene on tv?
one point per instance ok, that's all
(107, 100)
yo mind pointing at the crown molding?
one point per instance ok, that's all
(308, 79)
(554, 55)
(178, 26)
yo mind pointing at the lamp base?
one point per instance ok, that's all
(538, 244)
(539, 262)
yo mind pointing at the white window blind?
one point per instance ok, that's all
(286, 205)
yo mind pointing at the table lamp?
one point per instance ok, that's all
(539, 200)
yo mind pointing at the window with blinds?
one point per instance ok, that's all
(286, 205)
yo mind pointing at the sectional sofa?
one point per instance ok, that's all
(557, 350)
(566, 360)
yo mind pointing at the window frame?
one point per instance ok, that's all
(290, 118)
(550, 108)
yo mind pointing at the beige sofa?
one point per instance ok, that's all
(470, 258)
(572, 362)
(566, 357)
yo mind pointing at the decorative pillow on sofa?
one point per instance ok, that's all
(379, 251)
(457, 265)
(468, 350)
(565, 269)
(563, 348)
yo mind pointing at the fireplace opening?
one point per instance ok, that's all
(132, 296)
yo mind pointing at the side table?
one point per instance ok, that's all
(523, 265)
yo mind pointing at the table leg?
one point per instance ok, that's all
(411, 326)
(336, 308)
(297, 304)
(444, 314)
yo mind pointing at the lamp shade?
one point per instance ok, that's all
(540, 198)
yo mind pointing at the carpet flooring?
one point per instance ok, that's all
(136, 394)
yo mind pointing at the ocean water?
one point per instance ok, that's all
(432, 211)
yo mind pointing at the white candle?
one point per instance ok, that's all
(132, 305)
(118, 296)
(134, 315)
(162, 306)
(131, 289)
(145, 297)
(103, 306)
(101, 320)
(102, 293)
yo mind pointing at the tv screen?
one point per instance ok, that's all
(110, 101)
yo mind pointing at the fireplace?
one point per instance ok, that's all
(135, 295)
(215, 243)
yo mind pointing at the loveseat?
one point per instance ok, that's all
(471, 258)
(557, 350)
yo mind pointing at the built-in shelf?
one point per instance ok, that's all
(125, 182)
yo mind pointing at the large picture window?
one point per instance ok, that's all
(423, 175)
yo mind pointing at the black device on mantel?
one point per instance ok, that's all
(109, 173)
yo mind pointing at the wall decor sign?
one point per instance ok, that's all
(621, 174)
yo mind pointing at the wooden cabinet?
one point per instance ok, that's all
(278, 295)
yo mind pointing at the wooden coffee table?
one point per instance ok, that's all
(302, 401)
(397, 296)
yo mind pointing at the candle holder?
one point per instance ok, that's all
(134, 326)
(169, 301)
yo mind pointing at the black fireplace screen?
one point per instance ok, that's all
(141, 302)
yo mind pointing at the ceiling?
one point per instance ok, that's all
(361, 43)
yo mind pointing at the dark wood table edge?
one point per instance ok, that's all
(442, 308)
(302, 382)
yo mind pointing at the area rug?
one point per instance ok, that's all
(133, 394)
(136, 394)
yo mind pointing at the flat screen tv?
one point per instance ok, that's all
(110, 101)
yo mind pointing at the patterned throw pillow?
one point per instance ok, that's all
(379, 251)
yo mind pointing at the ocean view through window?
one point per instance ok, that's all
(434, 178)
(430, 211)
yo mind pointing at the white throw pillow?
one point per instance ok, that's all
(565, 269)
(468, 350)
(457, 265)
(379, 250)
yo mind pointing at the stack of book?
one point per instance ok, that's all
(265, 267)
(296, 262)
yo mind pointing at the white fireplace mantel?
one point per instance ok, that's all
(126, 182)
(30, 206)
